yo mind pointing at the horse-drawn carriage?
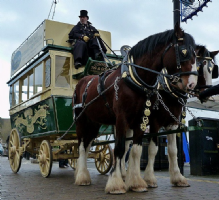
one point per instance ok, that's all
(42, 82)
(148, 87)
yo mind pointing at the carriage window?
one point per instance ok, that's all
(38, 78)
(47, 72)
(24, 94)
(62, 67)
(15, 96)
(30, 85)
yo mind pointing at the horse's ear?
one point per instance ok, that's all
(214, 53)
(177, 29)
(201, 51)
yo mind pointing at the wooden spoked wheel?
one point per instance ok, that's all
(104, 159)
(14, 156)
(45, 158)
(73, 161)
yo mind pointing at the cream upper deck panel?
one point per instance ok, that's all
(55, 33)
(48, 32)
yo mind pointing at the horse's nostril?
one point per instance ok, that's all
(191, 85)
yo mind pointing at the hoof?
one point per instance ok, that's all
(117, 192)
(152, 185)
(82, 183)
(140, 189)
(83, 180)
(181, 184)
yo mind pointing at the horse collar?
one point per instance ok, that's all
(131, 78)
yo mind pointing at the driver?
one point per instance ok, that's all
(86, 44)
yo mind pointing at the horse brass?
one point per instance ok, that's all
(183, 121)
(147, 112)
(184, 51)
(143, 127)
(183, 113)
(148, 103)
(124, 74)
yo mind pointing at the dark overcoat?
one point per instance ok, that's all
(82, 50)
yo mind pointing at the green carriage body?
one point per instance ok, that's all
(49, 111)
(42, 83)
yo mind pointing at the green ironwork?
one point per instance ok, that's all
(95, 67)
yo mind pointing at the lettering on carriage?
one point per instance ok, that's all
(99, 67)
(29, 119)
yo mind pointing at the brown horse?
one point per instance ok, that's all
(161, 118)
(122, 105)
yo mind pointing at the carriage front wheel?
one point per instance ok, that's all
(13, 151)
(104, 159)
(45, 158)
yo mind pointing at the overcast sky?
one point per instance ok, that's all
(128, 21)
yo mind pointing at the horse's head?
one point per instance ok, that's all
(207, 68)
(179, 59)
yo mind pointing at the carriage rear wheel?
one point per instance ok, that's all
(73, 161)
(104, 159)
(45, 158)
(14, 156)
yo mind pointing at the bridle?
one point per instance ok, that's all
(211, 66)
(183, 53)
(130, 75)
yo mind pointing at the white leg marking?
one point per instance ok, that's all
(129, 134)
(176, 177)
(149, 171)
(115, 184)
(82, 175)
(133, 178)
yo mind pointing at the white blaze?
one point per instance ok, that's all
(192, 81)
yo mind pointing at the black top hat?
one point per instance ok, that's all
(83, 13)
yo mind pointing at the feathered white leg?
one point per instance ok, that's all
(176, 178)
(115, 184)
(133, 179)
(149, 171)
(82, 175)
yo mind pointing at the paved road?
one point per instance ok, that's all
(28, 184)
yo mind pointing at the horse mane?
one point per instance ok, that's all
(150, 43)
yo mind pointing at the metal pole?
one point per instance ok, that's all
(179, 140)
(176, 12)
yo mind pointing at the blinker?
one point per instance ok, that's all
(215, 72)
(185, 53)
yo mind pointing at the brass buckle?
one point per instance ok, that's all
(175, 79)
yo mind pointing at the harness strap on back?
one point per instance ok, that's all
(84, 96)
(101, 87)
